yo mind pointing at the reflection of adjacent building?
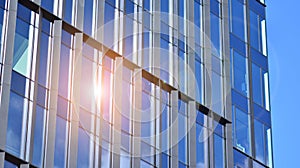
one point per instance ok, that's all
(128, 83)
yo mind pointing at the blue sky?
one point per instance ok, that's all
(283, 25)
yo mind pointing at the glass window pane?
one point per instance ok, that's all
(83, 156)
(15, 130)
(38, 144)
(105, 155)
(48, 5)
(259, 141)
(60, 143)
(109, 25)
(8, 164)
(64, 69)
(218, 151)
(242, 131)
(43, 65)
(238, 18)
(22, 58)
(182, 145)
(240, 160)
(240, 76)
(217, 93)
(257, 84)
(18, 83)
(254, 30)
(200, 149)
(68, 10)
(88, 17)
(215, 35)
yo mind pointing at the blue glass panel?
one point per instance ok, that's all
(240, 160)
(109, 25)
(239, 100)
(240, 77)
(23, 13)
(197, 14)
(147, 4)
(88, 17)
(242, 131)
(254, 30)
(48, 5)
(200, 149)
(257, 85)
(41, 96)
(198, 75)
(46, 27)
(182, 145)
(112, 2)
(215, 7)
(257, 7)
(218, 151)
(216, 83)
(146, 50)
(164, 160)
(83, 149)
(237, 44)
(18, 83)
(66, 38)
(21, 60)
(44, 47)
(181, 8)
(259, 141)
(262, 114)
(37, 158)
(164, 60)
(259, 58)
(215, 34)
(129, 7)
(8, 164)
(60, 143)
(68, 10)
(2, 4)
(200, 117)
(237, 20)
(164, 6)
(17, 106)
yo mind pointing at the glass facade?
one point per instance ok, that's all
(128, 83)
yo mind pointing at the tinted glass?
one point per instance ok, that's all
(68, 10)
(257, 84)
(17, 106)
(83, 148)
(38, 146)
(237, 20)
(240, 76)
(60, 143)
(88, 17)
(22, 58)
(200, 149)
(218, 151)
(48, 5)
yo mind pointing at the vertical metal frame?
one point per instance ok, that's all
(75, 99)
(53, 92)
(117, 106)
